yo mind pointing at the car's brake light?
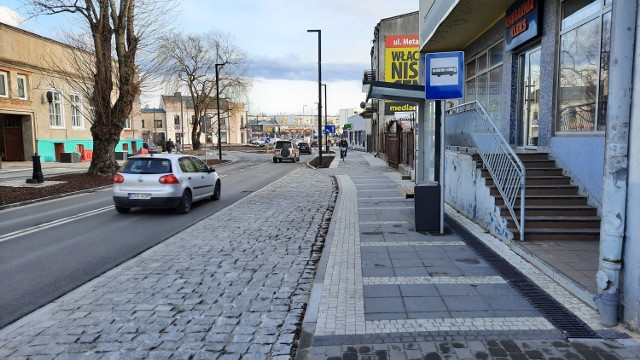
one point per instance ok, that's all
(169, 179)
(118, 179)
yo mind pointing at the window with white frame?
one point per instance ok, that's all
(4, 84)
(583, 66)
(77, 120)
(56, 115)
(127, 123)
(484, 79)
(22, 87)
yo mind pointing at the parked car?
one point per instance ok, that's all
(285, 149)
(259, 142)
(304, 147)
(164, 181)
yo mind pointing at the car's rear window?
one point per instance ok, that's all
(283, 144)
(146, 166)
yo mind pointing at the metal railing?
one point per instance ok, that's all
(470, 125)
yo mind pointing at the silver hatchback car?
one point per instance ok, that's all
(164, 181)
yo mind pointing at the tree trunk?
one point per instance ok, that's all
(104, 156)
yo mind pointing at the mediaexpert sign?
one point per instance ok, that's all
(401, 65)
(444, 75)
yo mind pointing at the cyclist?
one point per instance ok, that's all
(344, 145)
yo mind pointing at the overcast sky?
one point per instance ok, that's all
(274, 35)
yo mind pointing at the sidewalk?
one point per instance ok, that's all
(238, 284)
(385, 291)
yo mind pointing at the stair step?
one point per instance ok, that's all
(552, 210)
(548, 200)
(544, 190)
(577, 222)
(538, 163)
(539, 180)
(533, 156)
(561, 234)
(533, 172)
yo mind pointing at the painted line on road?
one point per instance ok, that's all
(51, 224)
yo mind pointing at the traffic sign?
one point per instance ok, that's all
(267, 140)
(445, 75)
(329, 129)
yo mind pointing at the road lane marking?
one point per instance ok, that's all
(51, 224)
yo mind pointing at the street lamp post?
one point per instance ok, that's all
(319, 94)
(326, 134)
(218, 106)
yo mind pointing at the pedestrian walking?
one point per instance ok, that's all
(170, 146)
(145, 148)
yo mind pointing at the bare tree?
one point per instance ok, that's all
(112, 76)
(190, 62)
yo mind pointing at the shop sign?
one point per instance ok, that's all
(392, 107)
(522, 23)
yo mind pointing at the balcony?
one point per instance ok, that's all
(369, 76)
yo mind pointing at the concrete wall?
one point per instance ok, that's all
(583, 160)
(465, 191)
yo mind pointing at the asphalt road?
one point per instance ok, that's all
(49, 248)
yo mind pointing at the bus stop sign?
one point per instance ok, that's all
(444, 75)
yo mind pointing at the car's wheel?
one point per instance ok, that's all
(275, 160)
(122, 210)
(216, 192)
(184, 206)
(279, 160)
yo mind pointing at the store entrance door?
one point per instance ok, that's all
(529, 109)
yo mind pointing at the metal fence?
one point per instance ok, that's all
(470, 125)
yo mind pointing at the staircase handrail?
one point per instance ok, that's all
(507, 171)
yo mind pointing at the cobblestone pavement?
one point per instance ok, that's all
(234, 285)
(237, 285)
(387, 292)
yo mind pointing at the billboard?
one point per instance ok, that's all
(401, 59)
(401, 65)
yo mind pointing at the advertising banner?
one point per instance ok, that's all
(402, 59)
(402, 64)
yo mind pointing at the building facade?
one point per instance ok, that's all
(179, 113)
(543, 71)
(394, 59)
(43, 108)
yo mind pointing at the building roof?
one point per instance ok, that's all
(152, 110)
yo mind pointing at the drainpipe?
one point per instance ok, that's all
(614, 194)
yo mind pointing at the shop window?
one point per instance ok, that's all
(584, 66)
(575, 11)
(494, 100)
(56, 115)
(484, 79)
(470, 90)
(496, 54)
